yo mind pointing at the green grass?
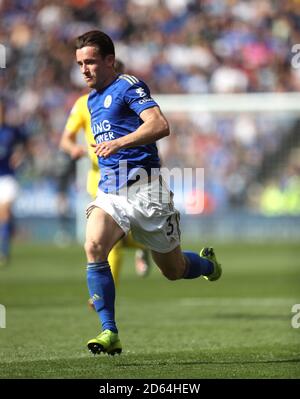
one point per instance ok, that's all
(238, 327)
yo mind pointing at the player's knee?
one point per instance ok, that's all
(95, 250)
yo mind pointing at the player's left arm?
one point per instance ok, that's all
(76, 121)
(155, 127)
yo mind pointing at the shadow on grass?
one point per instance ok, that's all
(122, 361)
(207, 362)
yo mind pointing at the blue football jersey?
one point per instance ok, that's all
(9, 137)
(115, 113)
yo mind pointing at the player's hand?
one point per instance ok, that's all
(77, 152)
(106, 148)
(16, 159)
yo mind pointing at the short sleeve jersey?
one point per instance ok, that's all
(115, 112)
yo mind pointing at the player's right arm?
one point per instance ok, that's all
(75, 122)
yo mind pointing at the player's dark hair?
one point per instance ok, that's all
(98, 39)
(119, 66)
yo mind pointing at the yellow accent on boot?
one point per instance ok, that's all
(209, 254)
(106, 342)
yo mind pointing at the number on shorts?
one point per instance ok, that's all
(170, 225)
(173, 223)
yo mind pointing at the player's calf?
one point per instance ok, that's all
(171, 264)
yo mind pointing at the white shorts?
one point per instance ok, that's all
(8, 189)
(147, 209)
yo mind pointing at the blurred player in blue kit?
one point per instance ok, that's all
(10, 156)
(132, 195)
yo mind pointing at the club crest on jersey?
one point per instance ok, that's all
(107, 101)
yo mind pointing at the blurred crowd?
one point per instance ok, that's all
(235, 150)
(176, 46)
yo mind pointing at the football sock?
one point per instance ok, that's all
(102, 291)
(5, 238)
(197, 266)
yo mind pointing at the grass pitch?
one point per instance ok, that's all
(238, 327)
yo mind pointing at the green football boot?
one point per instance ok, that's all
(209, 254)
(106, 342)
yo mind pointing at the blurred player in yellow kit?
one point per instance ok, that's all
(79, 119)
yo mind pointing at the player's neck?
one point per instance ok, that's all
(107, 81)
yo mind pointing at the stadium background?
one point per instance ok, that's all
(251, 160)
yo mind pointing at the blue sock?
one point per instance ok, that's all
(102, 291)
(197, 266)
(5, 238)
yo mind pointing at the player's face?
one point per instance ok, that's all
(96, 70)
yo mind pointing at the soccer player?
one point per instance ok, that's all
(126, 123)
(79, 119)
(10, 157)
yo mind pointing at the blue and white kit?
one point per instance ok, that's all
(9, 137)
(152, 218)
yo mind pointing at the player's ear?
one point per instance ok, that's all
(110, 60)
